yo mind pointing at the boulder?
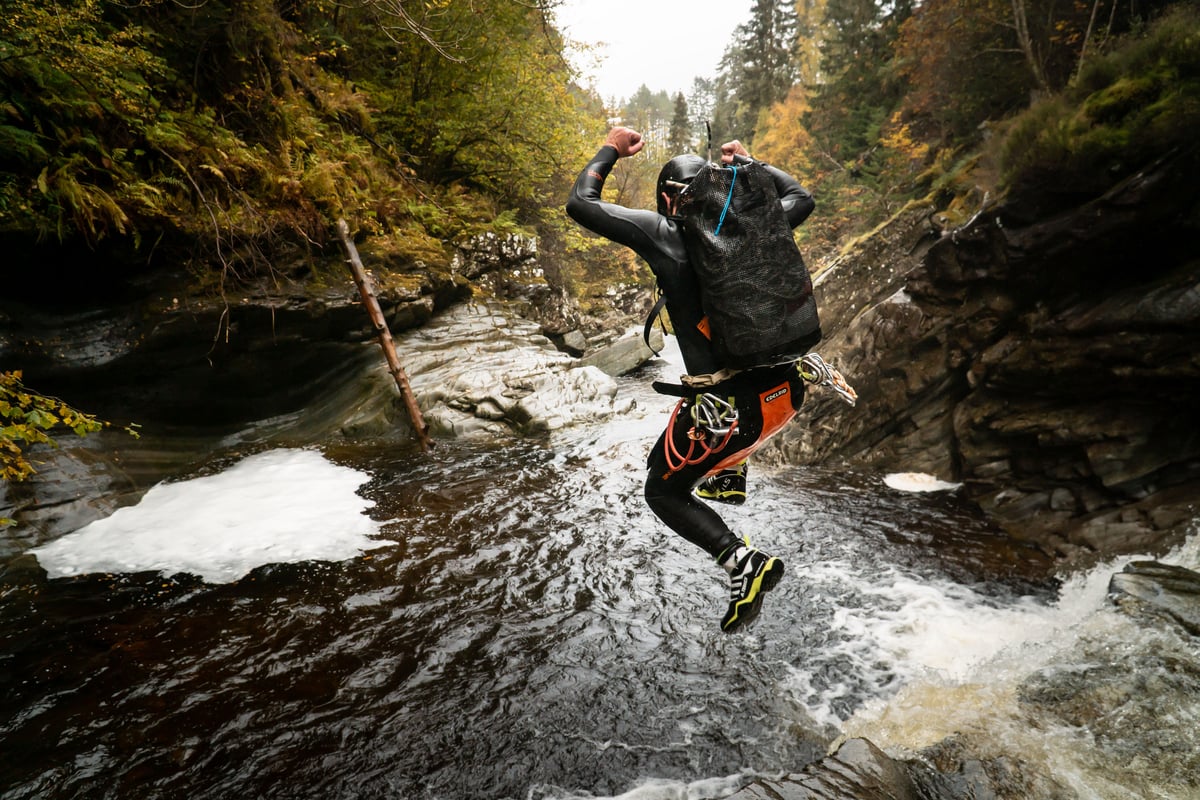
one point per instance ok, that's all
(624, 355)
(1164, 589)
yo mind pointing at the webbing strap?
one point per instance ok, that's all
(654, 312)
(673, 389)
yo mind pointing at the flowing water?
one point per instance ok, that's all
(504, 618)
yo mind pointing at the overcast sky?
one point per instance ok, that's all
(663, 44)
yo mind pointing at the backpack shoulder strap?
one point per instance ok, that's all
(654, 312)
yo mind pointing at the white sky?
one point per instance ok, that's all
(663, 44)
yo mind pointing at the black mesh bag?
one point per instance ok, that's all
(756, 290)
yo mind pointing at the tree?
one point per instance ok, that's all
(810, 18)
(860, 92)
(481, 95)
(681, 138)
(651, 114)
(701, 101)
(959, 68)
(783, 140)
(757, 69)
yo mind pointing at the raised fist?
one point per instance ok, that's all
(627, 141)
(731, 149)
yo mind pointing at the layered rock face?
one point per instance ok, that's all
(1046, 356)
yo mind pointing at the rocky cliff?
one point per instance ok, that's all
(1044, 354)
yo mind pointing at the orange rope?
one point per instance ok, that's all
(676, 460)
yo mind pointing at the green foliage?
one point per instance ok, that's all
(861, 91)
(680, 137)
(1128, 106)
(916, 101)
(28, 418)
(248, 125)
(244, 125)
(758, 69)
(76, 100)
(483, 99)
(961, 64)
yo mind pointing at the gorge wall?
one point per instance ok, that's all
(1044, 354)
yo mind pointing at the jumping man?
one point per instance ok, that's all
(740, 410)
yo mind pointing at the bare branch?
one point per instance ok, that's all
(395, 9)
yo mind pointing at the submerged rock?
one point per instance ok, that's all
(857, 771)
(501, 376)
(861, 771)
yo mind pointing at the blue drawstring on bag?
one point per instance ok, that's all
(728, 200)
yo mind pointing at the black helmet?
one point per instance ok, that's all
(680, 169)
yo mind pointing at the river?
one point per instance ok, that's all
(504, 618)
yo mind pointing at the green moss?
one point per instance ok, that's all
(1124, 96)
(1128, 106)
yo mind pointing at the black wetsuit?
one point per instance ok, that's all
(766, 398)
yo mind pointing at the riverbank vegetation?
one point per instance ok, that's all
(232, 133)
(945, 102)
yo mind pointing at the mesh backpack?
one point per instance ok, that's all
(756, 292)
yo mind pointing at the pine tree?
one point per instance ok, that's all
(858, 95)
(681, 138)
(757, 70)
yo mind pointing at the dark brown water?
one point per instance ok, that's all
(527, 631)
(532, 632)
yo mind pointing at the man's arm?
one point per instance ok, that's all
(583, 202)
(634, 228)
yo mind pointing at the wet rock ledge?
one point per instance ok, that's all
(1043, 354)
(291, 359)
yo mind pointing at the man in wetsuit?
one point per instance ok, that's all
(726, 414)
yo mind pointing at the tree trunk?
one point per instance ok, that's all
(385, 335)
(1025, 40)
(1087, 37)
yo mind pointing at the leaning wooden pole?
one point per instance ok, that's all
(385, 335)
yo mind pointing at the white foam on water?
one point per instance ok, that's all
(918, 482)
(906, 629)
(962, 663)
(280, 506)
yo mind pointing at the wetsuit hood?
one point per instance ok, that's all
(681, 169)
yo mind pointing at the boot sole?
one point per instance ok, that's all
(746, 610)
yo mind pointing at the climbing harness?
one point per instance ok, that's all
(813, 369)
(714, 422)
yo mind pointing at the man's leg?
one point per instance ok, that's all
(669, 495)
